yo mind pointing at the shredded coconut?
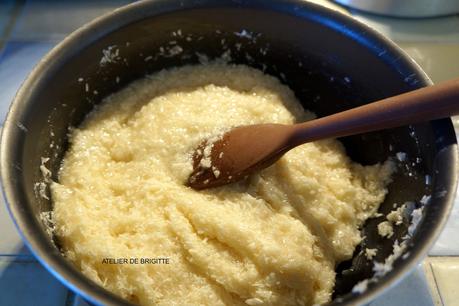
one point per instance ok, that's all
(428, 180)
(399, 248)
(370, 253)
(425, 199)
(203, 59)
(396, 216)
(385, 229)
(215, 171)
(226, 56)
(254, 301)
(45, 171)
(40, 190)
(205, 162)
(40, 187)
(22, 126)
(401, 156)
(110, 55)
(183, 218)
(382, 269)
(244, 33)
(48, 221)
(361, 286)
(174, 51)
(441, 194)
(416, 217)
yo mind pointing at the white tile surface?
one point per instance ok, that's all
(16, 62)
(6, 7)
(78, 301)
(430, 279)
(45, 21)
(437, 30)
(437, 60)
(448, 243)
(27, 283)
(446, 274)
(413, 290)
(10, 241)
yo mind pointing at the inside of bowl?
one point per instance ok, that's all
(330, 69)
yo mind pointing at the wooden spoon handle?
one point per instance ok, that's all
(428, 103)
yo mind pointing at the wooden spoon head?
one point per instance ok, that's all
(238, 153)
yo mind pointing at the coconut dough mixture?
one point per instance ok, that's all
(273, 239)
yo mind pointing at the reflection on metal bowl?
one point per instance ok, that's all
(405, 8)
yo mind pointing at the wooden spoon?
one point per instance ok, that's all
(246, 149)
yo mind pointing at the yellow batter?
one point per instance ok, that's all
(274, 239)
